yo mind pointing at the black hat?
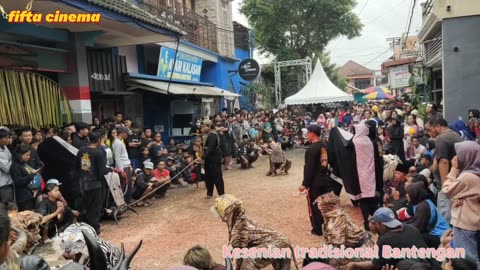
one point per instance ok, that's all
(402, 168)
(245, 137)
(315, 129)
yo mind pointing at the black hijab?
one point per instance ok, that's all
(417, 193)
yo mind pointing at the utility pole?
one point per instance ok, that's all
(394, 41)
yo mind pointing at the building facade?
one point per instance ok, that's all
(158, 62)
(451, 52)
(358, 76)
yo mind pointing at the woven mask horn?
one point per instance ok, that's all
(97, 257)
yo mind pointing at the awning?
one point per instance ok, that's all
(179, 89)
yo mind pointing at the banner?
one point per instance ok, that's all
(399, 77)
(187, 67)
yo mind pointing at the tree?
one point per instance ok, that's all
(290, 29)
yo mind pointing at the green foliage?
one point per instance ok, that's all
(257, 90)
(290, 29)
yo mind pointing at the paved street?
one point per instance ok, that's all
(174, 224)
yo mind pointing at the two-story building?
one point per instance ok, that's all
(358, 76)
(452, 52)
(159, 62)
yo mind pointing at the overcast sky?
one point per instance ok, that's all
(381, 18)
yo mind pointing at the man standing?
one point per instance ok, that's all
(92, 168)
(212, 158)
(81, 137)
(445, 140)
(134, 142)
(316, 179)
(122, 161)
(27, 138)
(6, 183)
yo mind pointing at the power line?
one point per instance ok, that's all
(409, 24)
(382, 53)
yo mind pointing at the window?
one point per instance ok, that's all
(362, 84)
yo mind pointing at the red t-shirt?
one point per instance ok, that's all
(161, 175)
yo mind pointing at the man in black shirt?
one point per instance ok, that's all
(212, 158)
(92, 168)
(316, 179)
(56, 215)
(134, 142)
(393, 234)
(80, 138)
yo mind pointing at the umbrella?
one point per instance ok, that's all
(378, 95)
(377, 89)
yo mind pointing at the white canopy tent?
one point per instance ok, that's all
(318, 90)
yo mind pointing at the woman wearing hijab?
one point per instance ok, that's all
(426, 218)
(463, 187)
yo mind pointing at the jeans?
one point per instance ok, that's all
(444, 206)
(135, 163)
(469, 240)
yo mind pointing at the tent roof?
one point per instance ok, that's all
(318, 90)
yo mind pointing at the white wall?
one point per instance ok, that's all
(130, 53)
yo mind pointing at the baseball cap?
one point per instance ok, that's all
(148, 165)
(386, 216)
(54, 182)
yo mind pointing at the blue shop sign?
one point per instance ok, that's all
(187, 67)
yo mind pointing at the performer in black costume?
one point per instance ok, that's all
(316, 178)
(212, 157)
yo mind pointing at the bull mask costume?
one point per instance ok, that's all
(243, 232)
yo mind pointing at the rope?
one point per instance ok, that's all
(162, 185)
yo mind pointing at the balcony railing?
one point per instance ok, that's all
(427, 7)
(200, 31)
(433, 49)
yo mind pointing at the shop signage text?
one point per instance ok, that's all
(399, 77)
(187, 67)
(100, 77)
(249, 69)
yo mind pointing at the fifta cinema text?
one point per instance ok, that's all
(16, 16)
(342, 252)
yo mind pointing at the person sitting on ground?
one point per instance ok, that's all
(144, 185)
(56, 216)
(425, 162)
(161, 174)
(426, 218)
(172, 147)
(186, 167)
(395, 194)
(394, 234)
(174, 169)
(247, 154)
(200, 258)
